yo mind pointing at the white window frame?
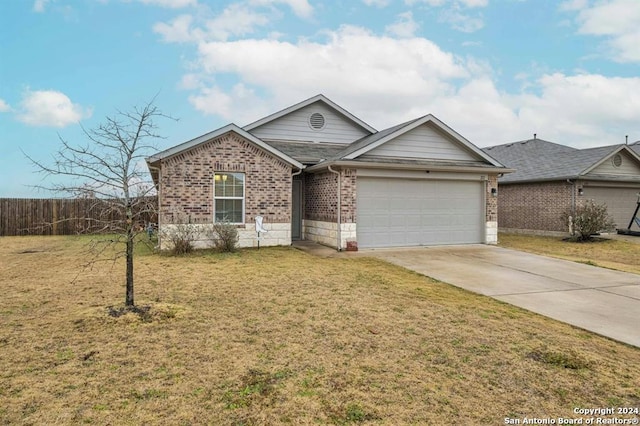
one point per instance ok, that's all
(215, 198)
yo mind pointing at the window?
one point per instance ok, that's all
(228, 196)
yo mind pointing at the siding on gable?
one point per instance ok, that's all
(295, 127)
(422, 142)
(629, 167)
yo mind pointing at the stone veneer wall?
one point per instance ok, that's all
(186, 187)
(535, 206)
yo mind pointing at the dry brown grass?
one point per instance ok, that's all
(277, 336)
(612, 254)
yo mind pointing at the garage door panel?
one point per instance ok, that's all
(402, 212)
(621, 202)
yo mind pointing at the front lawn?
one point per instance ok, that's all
(276, 336)
(607, 253)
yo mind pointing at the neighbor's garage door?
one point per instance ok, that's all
(621, 202)
(404, 212)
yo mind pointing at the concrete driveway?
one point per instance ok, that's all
(600, 300)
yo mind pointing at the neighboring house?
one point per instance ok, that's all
(551, 179)
(314, 171)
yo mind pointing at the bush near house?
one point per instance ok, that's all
(588, 219)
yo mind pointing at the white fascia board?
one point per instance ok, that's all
(305, 103)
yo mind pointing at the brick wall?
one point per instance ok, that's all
(186, 182)
(534, 206)
(321, 196)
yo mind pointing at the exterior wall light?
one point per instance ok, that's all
(580, 192)
(494, 192)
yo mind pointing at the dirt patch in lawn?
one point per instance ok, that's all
(277, 336)
(607, 253)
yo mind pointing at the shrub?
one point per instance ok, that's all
(182, 237)
(588, 219)
(225, 236)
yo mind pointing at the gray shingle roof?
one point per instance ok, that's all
(538, 160)
(307, 152)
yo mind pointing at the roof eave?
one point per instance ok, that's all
(399, 166)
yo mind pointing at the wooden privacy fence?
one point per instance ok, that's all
(51, 216)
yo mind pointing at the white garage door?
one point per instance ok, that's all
(621, 202)
(404, 212)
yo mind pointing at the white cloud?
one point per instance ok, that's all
(301, 8)
(177, 31)
(454, 3)
(4, 107)
(343, 64)
(617, 20)
(587, 108)
(580, 110)
(456, 14)
(39, 5)
(571, 5)
(475, 3)
(171, 4)
(377, 3)
(404, 26)
(236, 20)
(50, 108)
(461, 21)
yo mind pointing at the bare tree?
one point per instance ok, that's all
(109, 169)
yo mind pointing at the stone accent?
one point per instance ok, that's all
(186, 184)
(326, 233)
(536, 206)
(279, 234)
(491, 233)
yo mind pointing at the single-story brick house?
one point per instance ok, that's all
(314, 171)
(551, 179)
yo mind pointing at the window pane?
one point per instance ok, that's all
(229, 210)
(229, 184)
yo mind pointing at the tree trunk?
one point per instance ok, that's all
(129, 255)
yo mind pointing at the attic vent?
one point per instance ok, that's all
(617, 160)
(316, 121)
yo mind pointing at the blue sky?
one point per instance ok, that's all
(494, 70)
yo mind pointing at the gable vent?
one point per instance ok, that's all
(617, 160)
(316, 121)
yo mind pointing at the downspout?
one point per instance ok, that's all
(302, 235)
(339, 245)
(573, 205)
(159, 169)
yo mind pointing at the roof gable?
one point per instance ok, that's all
(216, 133)
(540, 160)
(622, 161)
(330, 123)
(423, 138)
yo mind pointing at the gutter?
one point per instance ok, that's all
(339, 242)
(396, 166)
